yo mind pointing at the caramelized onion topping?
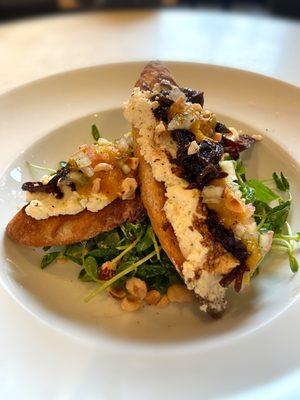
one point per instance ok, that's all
(50, 187)
(200, 168)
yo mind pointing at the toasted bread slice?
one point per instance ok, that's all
(153, 198)
(152, 191)
(201, 268)
(66, 229)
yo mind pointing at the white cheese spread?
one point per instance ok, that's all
(180, 206)
(45, 205)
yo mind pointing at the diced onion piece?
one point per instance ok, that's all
(82, 160)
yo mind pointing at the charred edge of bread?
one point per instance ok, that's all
(67, 229)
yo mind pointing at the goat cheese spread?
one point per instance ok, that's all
(180, 206)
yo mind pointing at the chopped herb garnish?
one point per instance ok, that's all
(95, 133)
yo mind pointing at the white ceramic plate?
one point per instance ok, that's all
(151, 354)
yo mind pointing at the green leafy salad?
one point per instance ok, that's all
(132, 250)
(272, 207)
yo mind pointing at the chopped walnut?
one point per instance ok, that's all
(193, 148)
(257, 137)
(96, 185)
(132, 163)
(103, 167)
(129, 186)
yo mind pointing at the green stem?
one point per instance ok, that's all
(40, 167)
(155, 244)
(130, 247)
(118, 276)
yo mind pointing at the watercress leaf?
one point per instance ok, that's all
(84, 277)
(281, 182)
(91, 268)
(146, 242)
(262, 192)
(293, 262)
(277, 216)
(277, 181)
(149, 271)
(248, 193)
(107, 244)
(49, 258)
(95, 133)
(74, 252)
(74, 259)
(285, 182)
(98, 253)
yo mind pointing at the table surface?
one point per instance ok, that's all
(37, 48)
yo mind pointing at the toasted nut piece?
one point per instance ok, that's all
(126, 169)
(128, 188)
(179, 294)
(152, 297)
(137, 288)
(193, 148)
(257, 137)
(117, 292)
(96, 185)
(130, 304)
(132, 163)
(163, 302)
(103, 167)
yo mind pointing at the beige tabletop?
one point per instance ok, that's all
(39, 47)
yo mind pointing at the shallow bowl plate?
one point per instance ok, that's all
(45, 121)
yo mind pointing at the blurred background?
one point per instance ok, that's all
(13, 9)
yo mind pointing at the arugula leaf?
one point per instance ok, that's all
(281, 182)
(91, 268)
(49, 258)
(95, 133)
(261, 191)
